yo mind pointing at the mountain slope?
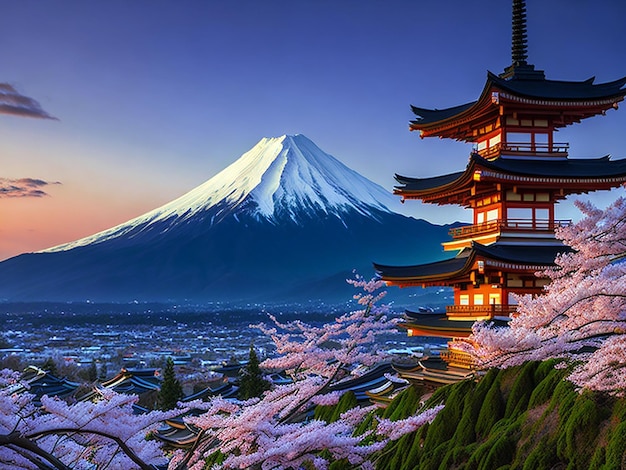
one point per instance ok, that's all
(283, 216)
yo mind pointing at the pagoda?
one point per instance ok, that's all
(516, 174)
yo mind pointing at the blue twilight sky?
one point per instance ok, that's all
(155, 97)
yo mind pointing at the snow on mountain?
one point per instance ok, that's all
(286, 222)
(280, 178)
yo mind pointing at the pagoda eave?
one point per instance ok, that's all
(566, 102)
(435, 332)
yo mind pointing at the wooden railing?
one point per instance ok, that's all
(457, 357)
(492, 310)
(508, 225)
(525, 148)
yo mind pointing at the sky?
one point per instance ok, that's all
(114, 108)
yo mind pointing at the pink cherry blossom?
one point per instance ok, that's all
(580, 317)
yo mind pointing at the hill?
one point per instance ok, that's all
(522, 418)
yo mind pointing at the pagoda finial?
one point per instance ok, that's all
(519, 49)
(520, 69)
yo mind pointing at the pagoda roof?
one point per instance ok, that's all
(439, 325)
(528, 89)
(574, 175)
(519, 257)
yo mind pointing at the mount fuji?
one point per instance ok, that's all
(285, 222)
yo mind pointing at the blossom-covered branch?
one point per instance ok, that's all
(581, 316)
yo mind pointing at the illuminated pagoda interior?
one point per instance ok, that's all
(517, 172)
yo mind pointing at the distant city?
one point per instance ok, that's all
(117, 336)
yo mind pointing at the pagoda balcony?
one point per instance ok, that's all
(458, 358)
(557, 149)
(480, 311)
(510, 225)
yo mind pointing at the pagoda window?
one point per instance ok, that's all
(513, 196)
(487, 216)
(494, 299)
(464, 299)
(527, 197)
(518, 138)
(514, 281)
(479, 299)
(542, 218)
(520, 217)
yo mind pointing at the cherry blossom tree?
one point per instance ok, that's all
(269, 432)
(103, 433)
(265, 432)
(581, 316)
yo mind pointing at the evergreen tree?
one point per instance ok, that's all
(103, 372)
(92, 373)
(251, 381)
(50, 366)
(171, 389)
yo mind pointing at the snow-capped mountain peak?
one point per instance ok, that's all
(280, 178)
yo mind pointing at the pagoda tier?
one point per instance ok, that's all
(484, 277)
(455, 270)
(525, 101)
(559, 176)
(438, 325)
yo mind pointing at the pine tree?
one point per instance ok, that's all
(50, 366)
(102, 376)
(251, 381)
(92, 373)
(171, 390)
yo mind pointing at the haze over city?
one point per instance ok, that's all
(150, 99)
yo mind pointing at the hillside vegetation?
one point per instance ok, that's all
(524, 418)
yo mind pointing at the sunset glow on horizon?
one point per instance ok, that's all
(111, 109)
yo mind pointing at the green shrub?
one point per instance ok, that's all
(491, 411)
(545, 387)
(616, 447)
(517, 401)
(578, 436)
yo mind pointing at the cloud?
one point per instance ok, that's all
(11, 102)
(23, 187)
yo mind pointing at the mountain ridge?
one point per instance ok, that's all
(283, 216)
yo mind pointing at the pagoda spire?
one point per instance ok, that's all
(520, 68)
(519, 49)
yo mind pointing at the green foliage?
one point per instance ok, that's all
(216, 458)
(492, 408)
(171, 390)
(518, 398)
(93, 372)
(543, 456)
(342, 464)
(548, 425)
(103, 372)
(444, 425)
(546, 386)
(331, 413)
(50, 366)
(502, 451)
(579, 432)
(616, 449)
(251, 381)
